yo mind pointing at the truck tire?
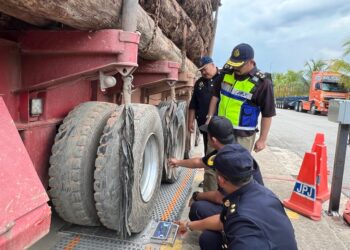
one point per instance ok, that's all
(107, 185)
(313, 109)
(148, 157)
(73, 162)
(296, 106)
(300, 107)
(170, 175)
(183, 106)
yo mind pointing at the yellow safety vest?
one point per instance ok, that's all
(235, 103)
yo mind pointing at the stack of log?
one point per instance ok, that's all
(184, 32)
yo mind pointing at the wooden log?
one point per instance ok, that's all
(201, 13)
(172, 19)
(161, 48)
(79, 14)
(102, 14)
(11, 10)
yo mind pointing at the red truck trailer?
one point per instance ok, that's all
(90, 116)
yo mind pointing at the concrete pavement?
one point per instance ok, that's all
(279, 168)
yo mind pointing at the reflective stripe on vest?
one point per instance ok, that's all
(234, 103)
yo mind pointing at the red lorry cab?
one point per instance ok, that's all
(324, 87)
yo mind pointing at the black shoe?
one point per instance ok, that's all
(201, 184)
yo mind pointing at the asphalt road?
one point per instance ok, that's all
(296, 131)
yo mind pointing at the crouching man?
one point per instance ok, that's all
(252, 217)
(209, 202)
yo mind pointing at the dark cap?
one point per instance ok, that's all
(204, 61)
(240, 54)
(221, 128)
(234, 161)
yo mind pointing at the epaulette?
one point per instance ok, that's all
(260, 74)
(227, 69)
(258, 77)
(229, 208)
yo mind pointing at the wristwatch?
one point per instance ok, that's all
(187, 225)
(208, 116)
(194, 196)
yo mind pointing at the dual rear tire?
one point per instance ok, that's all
(87, 195)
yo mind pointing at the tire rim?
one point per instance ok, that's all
(178, 150)
(150, 170)
(313, 110)
(180, 142)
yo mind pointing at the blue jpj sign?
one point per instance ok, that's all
(305, 190)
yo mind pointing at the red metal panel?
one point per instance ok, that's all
(27, 229)
(38, 138)
(61, 100)
(52, 57)
(151, 72)
(10, 77)
(21, 192)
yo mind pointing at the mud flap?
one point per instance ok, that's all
(24, 214)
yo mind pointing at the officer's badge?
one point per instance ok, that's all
(227, 203)
(210, 161)
(260, 74)
(233, 208)
(236, 53)
(201, 85)
(255, 79)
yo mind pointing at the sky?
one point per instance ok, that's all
(284, 33)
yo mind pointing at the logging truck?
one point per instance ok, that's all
(93, 100)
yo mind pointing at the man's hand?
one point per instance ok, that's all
(173, 162)
(208, 119)
(191, 127)
(260, 144)
(191, 116)
(182, 226)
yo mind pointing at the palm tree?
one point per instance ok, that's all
(346, 47)
(343, 67)
(314, 65)
(290, 83)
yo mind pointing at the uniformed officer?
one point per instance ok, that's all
(198, 108)
(208, 203)
(243, 92)
(202, 91)
(252, 217)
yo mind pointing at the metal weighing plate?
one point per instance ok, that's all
(168, 207)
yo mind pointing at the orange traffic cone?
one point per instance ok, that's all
(303, 198)
(322, 192)
(346, 214)
(319, 139)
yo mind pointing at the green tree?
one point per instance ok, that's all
(343, 67)
(314, 65)
(291, 83)
(346, 47)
